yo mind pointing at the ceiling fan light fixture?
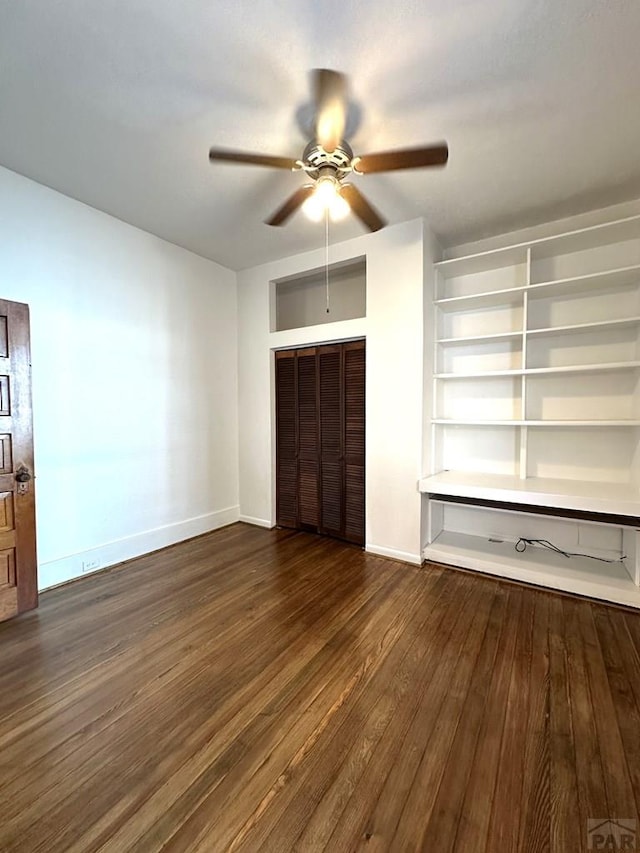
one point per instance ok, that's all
(313, 208)
(339, 208)
(327, 188)
(326, 197)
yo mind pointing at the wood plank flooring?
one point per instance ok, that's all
(257, 690)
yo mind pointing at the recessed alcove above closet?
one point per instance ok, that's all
(302, 300)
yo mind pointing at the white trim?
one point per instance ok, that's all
(338, 331)
(257, 522)
(54, 572)
(404, 556)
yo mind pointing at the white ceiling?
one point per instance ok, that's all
(116, 103)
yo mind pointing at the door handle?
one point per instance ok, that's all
(23, 475)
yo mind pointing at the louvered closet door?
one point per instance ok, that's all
(331, 440)
(308, 445)
(354, 442)
(287, 440)
(320, 422)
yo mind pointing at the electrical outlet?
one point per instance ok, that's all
(90, 565)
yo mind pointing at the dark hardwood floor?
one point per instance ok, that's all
(274, 691)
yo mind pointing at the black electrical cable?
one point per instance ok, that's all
(521, 546)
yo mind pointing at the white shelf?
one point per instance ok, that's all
(469, 422)
(586, 496)
(508, 296)
(584, 327)
(609, 280)
(537, 423)
(580, 239)
(618, 231)
(584, 423)
(607, 581)
(484, 261)
(485, 374)
(583, 368)
(473, 339)
(538, 371)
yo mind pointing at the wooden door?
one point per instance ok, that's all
(18, 566)
(354, 441)
(286, 440)
(331, 417)
(320, 440)
(308, 461)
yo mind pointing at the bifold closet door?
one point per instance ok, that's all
(308, 444)
(320, 423)
(354, 432)
(286, 440)
(297, 442)
(331, 440)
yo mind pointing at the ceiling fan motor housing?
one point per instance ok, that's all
(317, 159)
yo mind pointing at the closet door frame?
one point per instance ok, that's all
(332, 456)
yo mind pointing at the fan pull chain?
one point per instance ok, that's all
(326, 252)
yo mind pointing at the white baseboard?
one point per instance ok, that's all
(404, 556)
(257, 522)
(64, 569)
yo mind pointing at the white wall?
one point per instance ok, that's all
(394, 333)
(134, 380)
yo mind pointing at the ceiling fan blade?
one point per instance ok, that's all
(407, 158)
(229, 156)
(291, 205)
(330, 93)
(362, 208)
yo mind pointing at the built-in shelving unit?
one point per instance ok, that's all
(536, 398)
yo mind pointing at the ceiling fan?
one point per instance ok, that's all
(328, 159)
